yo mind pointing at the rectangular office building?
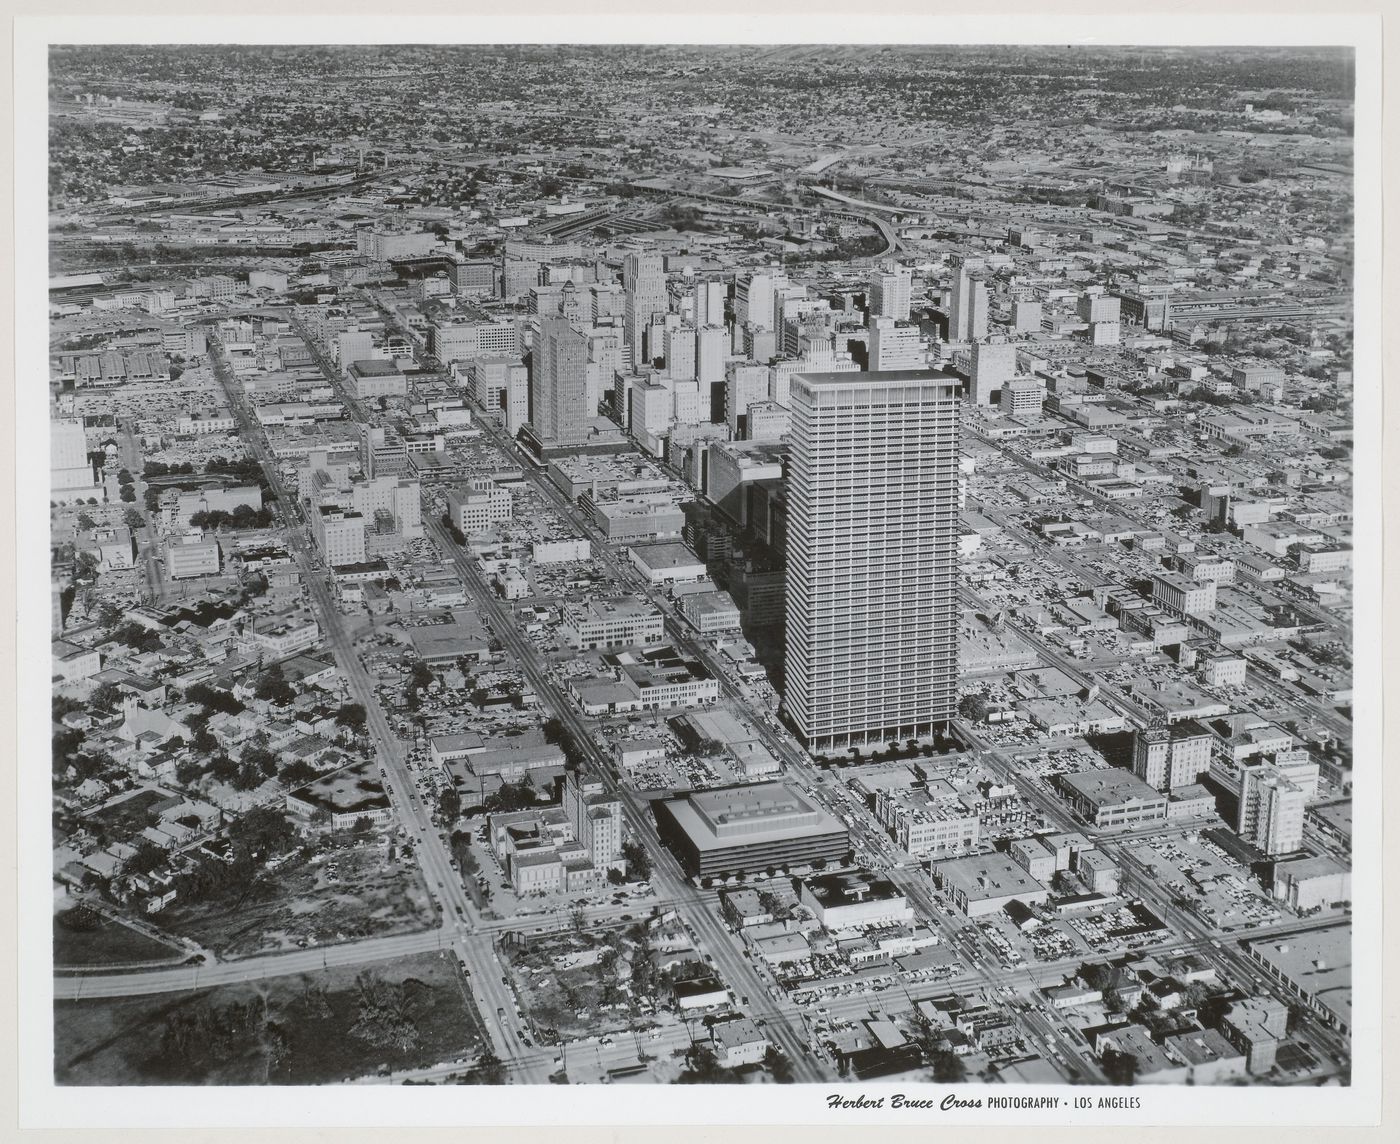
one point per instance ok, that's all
(872, 557)
(745, 829)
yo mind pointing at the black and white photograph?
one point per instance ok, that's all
(843, 570)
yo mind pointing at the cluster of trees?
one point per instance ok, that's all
(127, 484)
(638, 861)
(272, 687)
(161, 469)
(510, 796)
(197, 1038)
(254, 837)
(244, 468)
(385, 1014)
(420, 678)
(213, 699)
(137, 637)
(456, 533)
(352, 717)
(489, 1069)
(244, 516)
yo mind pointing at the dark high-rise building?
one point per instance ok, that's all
(559, 384)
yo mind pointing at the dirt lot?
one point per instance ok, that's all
(339, 896)
(307, 1029)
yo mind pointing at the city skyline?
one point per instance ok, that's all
(796, 567)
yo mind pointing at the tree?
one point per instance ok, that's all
(351, 716)
(296, 773)
(128, 493)
(489, 1069)
(948, 1067)
(274, 688)
(189, 772)
(1119, 1068)
(638, 861)
(778, 1066)
(450, 803)
(133, 519)
(105, 697)
(148, 857)
(85, 522)
(974, 707)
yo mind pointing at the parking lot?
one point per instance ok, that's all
(1207, 880)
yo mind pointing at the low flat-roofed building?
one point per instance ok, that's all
(636, 518)
(667, 563)
(619, 622)
(1316, 966)
(711, 612)
(377, 378)
(982, 884)
(745, 907)
(1108, 797)
(1311, 883)
(1209, 1057)
(447, 748)
(923, 824)
(347, 796)
(639, 752)
(464, 636)
(738, 1042)
(745, 829)
(854, 900)
(190, 556)
(700, 993)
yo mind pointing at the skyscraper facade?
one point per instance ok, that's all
(872, 552)
(993, 365)
(889, 295)
(893, 346)
(559, 384)
(644, 285)
(967, 318)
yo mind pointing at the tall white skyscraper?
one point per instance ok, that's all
(644, 285)
(872, 574)
(753, 301)
(711, 350)
(889, 295)
(707, 299)
(993, 365)
(968, 314)
(680, 353)
(746, 384)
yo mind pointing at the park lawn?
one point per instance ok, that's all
(108, 942)
(311, 1028)
(371, 897)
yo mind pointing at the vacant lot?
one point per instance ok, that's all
(121, 820)
(579, 984)
(81, 937)
(316, 1028)
(347, 894)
